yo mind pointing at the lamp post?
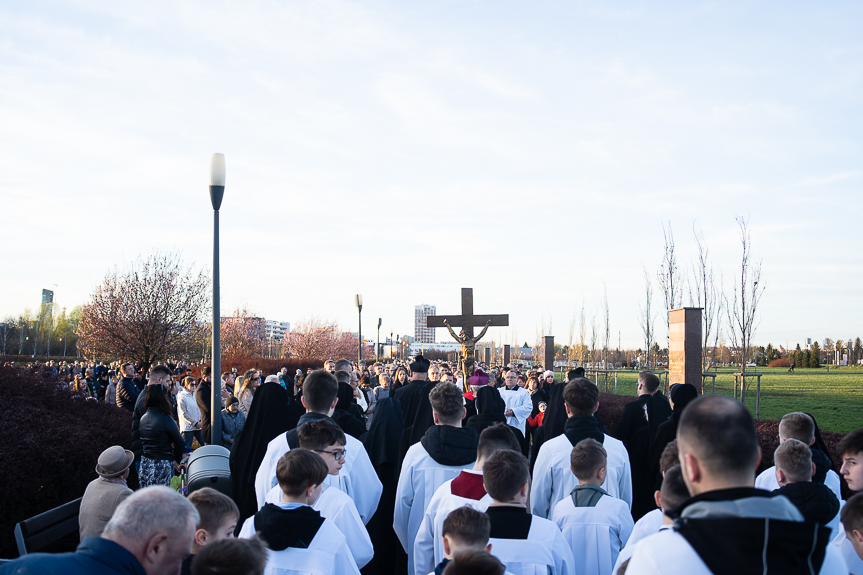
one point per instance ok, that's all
(392, 357)
(217, 192)
(358, 300)
(378, 343)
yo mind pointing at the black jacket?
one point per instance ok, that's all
(203, 397)
(137, 414)
(127, 393)
(158, 433)
(816, 501)
(450, 445)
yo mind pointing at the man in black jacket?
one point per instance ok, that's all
(204, 397)
(635, 413)
(127, 391)
(794, 471)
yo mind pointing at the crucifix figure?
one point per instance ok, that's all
(467, 320)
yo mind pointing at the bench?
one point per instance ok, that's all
(46, 528)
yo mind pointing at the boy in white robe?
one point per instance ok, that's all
(801, 427)
(299, 539)
(444, 451)
(518, 404)
(595, 525)
(654, 520)
(672, 495)
(466, 489)
(328, 440)
(524, 543)
(552, 478)
(852, 522)
(728, 526)
(850, 451)
(357, 477)
(463, 529)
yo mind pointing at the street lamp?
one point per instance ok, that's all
(358, 300)
(217, 192)
(391, 345)
(378, 349)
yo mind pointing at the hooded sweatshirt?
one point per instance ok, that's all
(815, 501)
(451, 446)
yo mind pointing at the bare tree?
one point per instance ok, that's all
(607, 338)
(243, 334)
(571, 353)
(151, 311)
(315, 338)
(594, 335)
(707, 296)
(582, 348)
(646, 318)
(741, 312)
(669, 279)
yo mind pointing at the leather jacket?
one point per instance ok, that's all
(158, 431)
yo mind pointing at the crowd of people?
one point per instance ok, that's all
(406, 468)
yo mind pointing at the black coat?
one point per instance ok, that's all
(204, 397)
(816, 501)
(127, 393)
(160, 436)
(409, 397)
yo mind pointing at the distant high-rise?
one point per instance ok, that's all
(423, 333)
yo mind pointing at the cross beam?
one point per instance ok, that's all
(467, 320)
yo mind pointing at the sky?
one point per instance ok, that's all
(403, 150)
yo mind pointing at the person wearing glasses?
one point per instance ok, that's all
(189, 413)
(251, 382)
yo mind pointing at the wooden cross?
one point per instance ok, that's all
(467, 321)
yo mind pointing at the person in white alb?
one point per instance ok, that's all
(357, 477)
(518, 403)
(728, 526)
(465, 530)
(299, 539)
(525, 543)
(328, 440)
(850, 451)
(595, 525)
(466, 489)
(444, 451)
(552, 479)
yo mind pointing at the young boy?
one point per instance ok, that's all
(852, 521)
(297, 536)
(800, 426)
(794, 471)
(218, 519)
(235, 556)
(474, 562)
(595, 525)
(523, 542)
(671, 496)
(850, 451)
(465, 489)
(465, 528)
(328, 440)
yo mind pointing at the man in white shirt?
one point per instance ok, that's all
(552, 478)
(517, 400)
(444, 451)
(728, 526)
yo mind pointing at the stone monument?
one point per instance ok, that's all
(684, 347)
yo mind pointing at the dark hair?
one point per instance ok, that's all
(669, 457)
(155, 397)
(799, 426)
(214, 508)
(299, 469)
(504, 474)
(231, 557)
(720, 433)
(649, 380)
(319, 434)
(467, 526)
(494, 438)
(852, 514)
(581, 395)
(343, 376)
(447, 401)
(587, 457)
(851, 444)
(474, 562)
(160, 370)
(673, 492)
(320, 388)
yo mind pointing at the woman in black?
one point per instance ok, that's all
(160, 439)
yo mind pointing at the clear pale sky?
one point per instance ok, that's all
(403, 150)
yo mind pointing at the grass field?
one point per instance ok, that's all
(835, 399)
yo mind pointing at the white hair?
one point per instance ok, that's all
(149, 511)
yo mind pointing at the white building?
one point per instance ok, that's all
(277, 330)
(422, 332)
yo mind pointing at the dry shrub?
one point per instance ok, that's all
(267, 365)
(49, 444)
(781, 362)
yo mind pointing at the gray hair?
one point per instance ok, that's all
(152, 510)
(344, 365)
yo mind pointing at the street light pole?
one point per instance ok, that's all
(358, 300)
(217, 192)
(378, 343)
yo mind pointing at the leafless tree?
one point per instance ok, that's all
(669, 278)
(315, 338)
(571, 353)
(607, 318)
(243, 334)
(5, 334)
(742, 311)
(646, 318)
(582, 348)
(705, 294)
(149, 312)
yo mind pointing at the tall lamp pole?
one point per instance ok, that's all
(358, 300)
(392, 356)
(217, 192)
(378, 349)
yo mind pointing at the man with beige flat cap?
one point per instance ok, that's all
(106, 492)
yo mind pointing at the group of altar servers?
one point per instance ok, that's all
(455, 500)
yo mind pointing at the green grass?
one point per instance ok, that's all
(835, 399)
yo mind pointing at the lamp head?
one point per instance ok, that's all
(217, 179)
(358, 300)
